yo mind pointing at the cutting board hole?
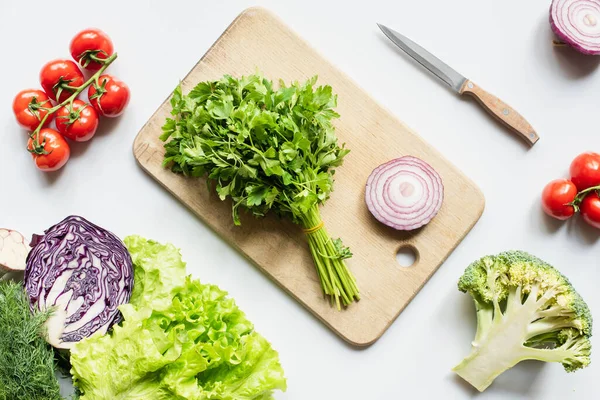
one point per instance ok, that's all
(406, 256)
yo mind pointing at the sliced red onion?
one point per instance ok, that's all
(405, 193)
(83, 273)
(577, 23)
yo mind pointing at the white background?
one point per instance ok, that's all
(505, 46)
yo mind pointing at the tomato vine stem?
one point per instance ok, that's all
(581, 195)
(94, 78)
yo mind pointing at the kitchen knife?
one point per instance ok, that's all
(462, 85)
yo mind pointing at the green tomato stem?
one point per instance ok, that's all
(97, 59)
(35, 134)
(581, 195)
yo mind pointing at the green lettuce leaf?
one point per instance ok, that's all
(125, 364)
(180, 339)
(254, 378)
(158, 269)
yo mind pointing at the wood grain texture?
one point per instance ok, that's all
(502, 111)
(259, 40)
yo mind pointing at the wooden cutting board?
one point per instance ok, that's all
(259, 40)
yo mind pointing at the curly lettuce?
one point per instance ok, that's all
(180, 339)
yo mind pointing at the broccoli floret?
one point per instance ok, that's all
(526, 310)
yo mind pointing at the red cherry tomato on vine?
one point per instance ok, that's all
(60, 78)
(50, 151)
(556, 198)
(90, 45)
(109, 96)
(78, 122)
(30, 107)
(585, 170)
(590, 209)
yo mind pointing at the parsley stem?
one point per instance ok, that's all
(336, 279)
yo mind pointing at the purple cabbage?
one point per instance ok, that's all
(82, 272)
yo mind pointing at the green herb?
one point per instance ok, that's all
(27, 368)
(180, 339)
(268, 150)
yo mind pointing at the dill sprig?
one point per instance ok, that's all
(27, 368)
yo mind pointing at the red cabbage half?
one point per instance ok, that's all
(84, 273)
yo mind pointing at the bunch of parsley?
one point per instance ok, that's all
(268, 149)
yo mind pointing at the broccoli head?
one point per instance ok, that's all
(526, 310)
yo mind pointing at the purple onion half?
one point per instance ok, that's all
(405, 193)
(577, 23)
(83, 273)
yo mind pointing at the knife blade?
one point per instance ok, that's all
(461, 85)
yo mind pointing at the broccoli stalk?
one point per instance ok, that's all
(526, 310)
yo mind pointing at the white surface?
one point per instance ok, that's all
(503, 46)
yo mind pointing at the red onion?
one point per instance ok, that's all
(405, 193)
(577, 23)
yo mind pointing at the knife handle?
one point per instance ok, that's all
(502, 111)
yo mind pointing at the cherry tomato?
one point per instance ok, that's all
(109, 96)
(585, 170)
(556, 198)
(90, 45)
(79, 122)
(62, 78)
(30, 107)
(50, 152)
(590, 209)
